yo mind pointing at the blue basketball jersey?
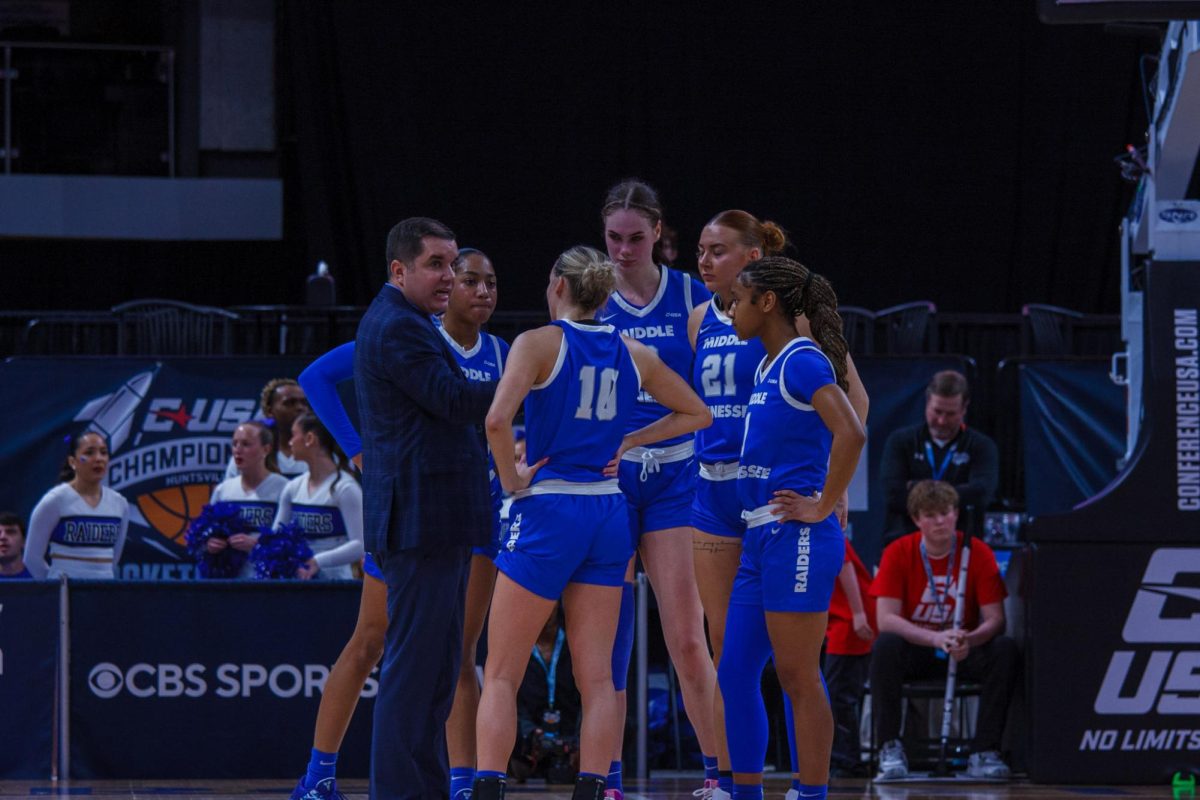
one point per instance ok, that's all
(481, 363)
(662, 326)
(786, 444)
(580, 414)
(723, 375)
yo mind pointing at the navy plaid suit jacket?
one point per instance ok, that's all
(425, 475)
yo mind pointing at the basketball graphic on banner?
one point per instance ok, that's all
(170, 510)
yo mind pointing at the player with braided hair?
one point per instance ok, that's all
(723, 374)
(802, 442)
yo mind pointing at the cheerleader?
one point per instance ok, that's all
(325, 502)
(281, 401)
(255, 490)
(801, 445)
(81, 523)
(569, 534)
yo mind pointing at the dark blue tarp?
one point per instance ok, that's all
(1073, 430)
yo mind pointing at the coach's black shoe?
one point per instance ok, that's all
(588, 788)
(488, 789)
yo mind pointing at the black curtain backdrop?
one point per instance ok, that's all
(956, 152)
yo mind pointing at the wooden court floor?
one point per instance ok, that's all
(662, 788)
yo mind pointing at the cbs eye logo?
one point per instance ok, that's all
(105, 680)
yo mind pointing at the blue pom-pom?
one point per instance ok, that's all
(221, 520)
(280, 552)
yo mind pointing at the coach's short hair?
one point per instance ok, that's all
(949, 383)
(404, 239)
(933, 497)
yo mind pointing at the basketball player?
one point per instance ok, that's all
(723, 374)
(481, 357)
(324, 501)
(81, 523)
(800, 449)
(652, 304)
(579, 381)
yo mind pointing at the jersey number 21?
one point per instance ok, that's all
(710, 376)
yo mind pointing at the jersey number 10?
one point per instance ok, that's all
(603, 397)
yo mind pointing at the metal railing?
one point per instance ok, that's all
(163, 72)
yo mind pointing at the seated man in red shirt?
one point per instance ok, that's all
(847, 657)
(915, 592)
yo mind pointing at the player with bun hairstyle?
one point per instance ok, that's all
(652, 303)
(723, 374)
(81, 523)
(579, 380)
(801, 446)
(325, 502)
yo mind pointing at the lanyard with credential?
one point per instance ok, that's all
(939, 600)
(552, 668)
(937, 471)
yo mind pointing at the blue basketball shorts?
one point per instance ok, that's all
(371, 568)
(790, 566)
(556, 539)
(660, 494)
(716, 508)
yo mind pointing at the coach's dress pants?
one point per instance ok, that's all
(419, 672)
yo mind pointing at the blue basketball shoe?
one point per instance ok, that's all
(324, 790)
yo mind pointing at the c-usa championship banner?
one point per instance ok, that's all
(218, 679)
(28, 650)
(169, 424)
